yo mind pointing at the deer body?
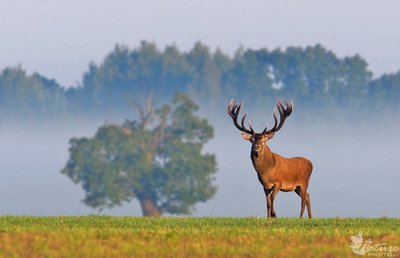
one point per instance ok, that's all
(275, 173)
(287, 173)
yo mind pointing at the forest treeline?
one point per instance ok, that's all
(315, 78)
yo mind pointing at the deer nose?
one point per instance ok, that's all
(257, 148)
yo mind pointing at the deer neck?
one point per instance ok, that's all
(263, 159)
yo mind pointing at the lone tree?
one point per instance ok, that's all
(158, 160)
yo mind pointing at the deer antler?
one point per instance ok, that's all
(283, 114)
(233, 111)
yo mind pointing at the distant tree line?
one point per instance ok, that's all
(314, 77)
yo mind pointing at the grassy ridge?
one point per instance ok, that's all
(98, 236)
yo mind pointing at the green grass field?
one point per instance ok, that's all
(98, 236)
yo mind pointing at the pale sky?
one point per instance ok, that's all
(59, 39)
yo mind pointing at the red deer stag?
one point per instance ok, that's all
(275, 172)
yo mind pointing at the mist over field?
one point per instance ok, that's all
(356, 169)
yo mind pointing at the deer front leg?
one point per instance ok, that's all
(268, 197)
(275, 191)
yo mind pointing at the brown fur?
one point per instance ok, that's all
(275, 173)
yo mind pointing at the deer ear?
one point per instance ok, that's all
(269, 136)
(246, 136)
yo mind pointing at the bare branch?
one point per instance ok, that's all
(146, 115)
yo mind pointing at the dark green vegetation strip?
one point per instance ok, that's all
(97, 236)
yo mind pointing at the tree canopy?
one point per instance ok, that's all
(26, 97)
(314, 77)
(157, 159)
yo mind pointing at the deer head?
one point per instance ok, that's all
(259, 140)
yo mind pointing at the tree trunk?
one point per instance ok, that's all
(149, 208)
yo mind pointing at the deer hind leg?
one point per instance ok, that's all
(273, 195)
(297, 190)
(308, 202)
(301, 191)
(308, 206)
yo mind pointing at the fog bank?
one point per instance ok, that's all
(356, 171)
